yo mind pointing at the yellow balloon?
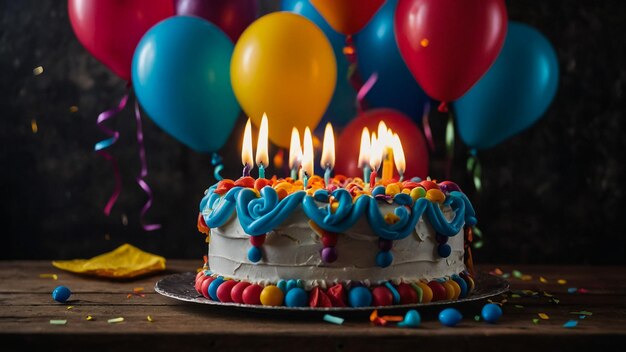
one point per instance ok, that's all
(283, 65)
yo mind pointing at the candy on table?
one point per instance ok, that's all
(271, 296)
(491, 312)
(450, 317)
(61, 294)
(412, 319)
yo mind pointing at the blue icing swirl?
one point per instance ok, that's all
(259, 215)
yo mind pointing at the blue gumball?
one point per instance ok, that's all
(360, 297)
(513, 94)
(377, 51)
(296, 297)
(181, 76)
(61, 294)
(491, 313)
(450, 317)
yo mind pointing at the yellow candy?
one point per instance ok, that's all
(427, 292)
(391, 218)
(392, 189)
(406, 191)
(449, 290)
(272, 296)
(457, 289)
(334, 206)
(435, 195)
(417, 193)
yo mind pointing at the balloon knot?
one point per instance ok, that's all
(443, 107)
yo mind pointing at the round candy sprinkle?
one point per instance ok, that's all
(441, 239)
(272, 296)
(223, 292)
(491, 313)
(407, 294)
(394, 292)
(427, 292)
(444, 250)
(252, 294)
(392, 189)
(449, 290)
(435, 195)
(412, 319)
(204, 288)
(457, 289)
(291, 284)
(236, 294)
(439, 292)
(61, 294)
(329, 254)
(329, 239)
(254, 254)
(385, 244)
(282, 285)
(360, 297)
(257, 241)
(450, 317)
(384, 259)
(462, 285)
(417, 193)
(379, 190)
(213, 288)
(296, 297)
(381, 296)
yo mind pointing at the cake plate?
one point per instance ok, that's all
(181, 287)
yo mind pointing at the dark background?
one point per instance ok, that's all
(552, 194)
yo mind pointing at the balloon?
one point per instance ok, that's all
(513, 94)
(110, 30)
(347, 16)
(284, 66)
(342, 105)
(349, 142)
(378, 52)
(181, 78)
(231, 16)
(449, 44)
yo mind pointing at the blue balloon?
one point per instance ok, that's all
(513, 94)
(342, 106)
(181, 75)
(377, 51)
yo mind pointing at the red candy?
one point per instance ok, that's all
(337, 295)
(409, 184)
(199, 279)
(245, 182)
(381, 296)
(439, 292)
(329, 239)
(257, 241)
(204, 288)
(224, 186)
(428, 185)
(252, 294)
(318, 298)
(407, 294)
(261, 182)
(236, 294)
(223, 291)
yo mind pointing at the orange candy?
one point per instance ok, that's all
(260, 183)
(224, 186)
(246, 181)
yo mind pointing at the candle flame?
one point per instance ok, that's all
(307, 156)
(398, 154)
(376, 152)
(246, 147)
(328, 148)
(364, 152)
(295, 150)
(262, 157)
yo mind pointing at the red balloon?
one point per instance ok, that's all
(111, 29)
(413, 144)
(449, 44)
(347, 16)
(231, 16)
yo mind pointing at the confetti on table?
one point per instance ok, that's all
(555, 300)
(583, 290)
(517, 274)
(374, 315)
(38, 70)
(570, 324)
(137, 289)
(33, 126)
(89, 318)
(392, 318)
(547, 294)
(515, 295)
(526, 277)
(543, 316)
(543, 280)
(572, 290)
(535, 321)
(73, 108)
(477, 317)
(333, 319)
(58, 321)
(149, 318)
(48, 276)
(582, 312)
(561, 281)
(496, 271)
(69, 307)
(115, 320)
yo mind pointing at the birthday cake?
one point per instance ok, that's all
(341, 243)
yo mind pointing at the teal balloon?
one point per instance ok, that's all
(513, 94)
(377, 51)
(342, 107)
(181, 76)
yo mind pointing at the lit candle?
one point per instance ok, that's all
(398, 154)
(307, 157)
(295, 153)
(385, 137)
(364, 154)
(376, 154)
(246, 150)
(262, 158)
(328, 152)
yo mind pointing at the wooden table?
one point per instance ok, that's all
(27, 308)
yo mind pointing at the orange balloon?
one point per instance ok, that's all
(347, 16)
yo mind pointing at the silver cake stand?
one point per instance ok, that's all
(181, 287)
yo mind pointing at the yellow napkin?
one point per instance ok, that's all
(126, 261)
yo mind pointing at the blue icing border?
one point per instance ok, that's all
(259, 215)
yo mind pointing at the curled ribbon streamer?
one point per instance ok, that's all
(103, 144)
(427, 131)
(143, 173)
(367, 86)
(216, 161)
